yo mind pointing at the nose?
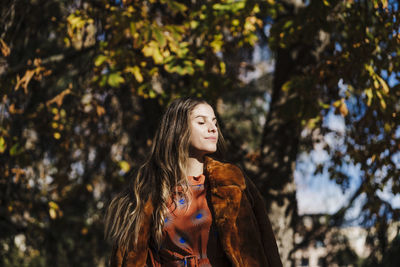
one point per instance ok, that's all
(212, 127)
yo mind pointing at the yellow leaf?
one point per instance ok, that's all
(222, 67)
(24, 81)
(84, 231)
(199, 63)
(286, 86)
(53, 205)
(3, 144)
(368, 93)
(52, 213)
(194, 24)
(5, 50)
(387, 127)
(337, 103)
(152, 50)
(176, 6)
(159, 37)
(384, 85)
(383, 103)
(100, 110)
(89, 188)
(256, 8)
(99, 60)
(135, 70)
(343, 109)
(57, 135)
(58, 99)
(115, 79)
(217, 43)
(124, 165)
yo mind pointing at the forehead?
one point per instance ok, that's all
(202, 110)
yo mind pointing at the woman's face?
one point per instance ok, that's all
(204, 134)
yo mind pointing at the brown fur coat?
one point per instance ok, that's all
(240, 216)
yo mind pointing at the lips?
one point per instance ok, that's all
(212, 138)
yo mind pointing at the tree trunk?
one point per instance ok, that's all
(278, 157)
(282, 132)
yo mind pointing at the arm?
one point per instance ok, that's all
(265, 228)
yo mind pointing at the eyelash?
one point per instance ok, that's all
(201, 123)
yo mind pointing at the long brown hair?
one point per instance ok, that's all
(157, 178)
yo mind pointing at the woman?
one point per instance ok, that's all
(184, 208)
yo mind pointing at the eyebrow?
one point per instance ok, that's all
(204, 117)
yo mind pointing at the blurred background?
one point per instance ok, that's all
(307, 95)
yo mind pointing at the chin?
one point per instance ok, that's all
(203, 150)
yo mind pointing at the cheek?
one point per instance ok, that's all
(196, 139)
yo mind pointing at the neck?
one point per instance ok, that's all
(195, 166)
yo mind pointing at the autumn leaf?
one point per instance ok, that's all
(115, 79)
(5, 49)
(58, 99)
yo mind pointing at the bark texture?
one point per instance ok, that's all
(282, 131)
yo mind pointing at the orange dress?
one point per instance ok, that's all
(190, 238)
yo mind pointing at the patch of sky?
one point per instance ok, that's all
(334, 122)
(261, 53)
(103, 166)
(342, 88)
(391, 79)
(267, 102)
(357, 107)
(387, 195)
(77, 129)
(4, 114)
(318, 193)
(355, 103)
(352, 216)
(92, 154)
(262, 61)
(338, 47)
(76, 170)
(105, 71)
(397, 132)
(101, 36)
(267, 29)
(393, 6)
(268, 20)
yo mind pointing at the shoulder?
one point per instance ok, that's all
(224, 174)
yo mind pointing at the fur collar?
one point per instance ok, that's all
(223, 174)
(226, 186)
